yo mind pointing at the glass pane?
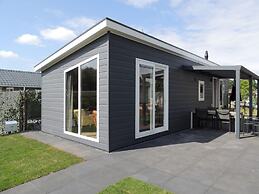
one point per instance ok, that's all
(88, 99)
(201, 91)
(221, 93)
(72, 101)
(145, 98)
(159, 101)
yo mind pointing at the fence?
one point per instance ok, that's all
(21, 106)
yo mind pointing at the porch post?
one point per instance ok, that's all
(237, 119)
(250, 97)
(257, 98)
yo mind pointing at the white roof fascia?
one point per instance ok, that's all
(71, 47)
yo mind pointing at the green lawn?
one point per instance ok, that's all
(133, 186)
(23, 159)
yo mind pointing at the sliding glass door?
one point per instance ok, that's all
(159, 97)
(145, 98)
(81, 99)
(71, 98)
(151, 98)
(88, 99)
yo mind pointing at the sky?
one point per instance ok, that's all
(229, 29)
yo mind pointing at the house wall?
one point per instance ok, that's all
(183, 90)
(53, 93)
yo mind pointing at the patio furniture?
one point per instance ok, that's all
(202, 117)
(212, 113)
(248, 124)
(256, 126)
(223, 117)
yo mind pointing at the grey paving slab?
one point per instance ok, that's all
(203, 175)
(129, 166)
(103, 177)
(76, 187)
(184, 186)
(236, 184)
(153, 175)
(83, 169)
(213, 190)
(27, 188)
(53, 181)
(192, 161)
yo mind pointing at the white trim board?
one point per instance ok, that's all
(153, 130)
(199, 91)
(109, 25)
(79, 99)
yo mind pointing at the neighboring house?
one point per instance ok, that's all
(114, 86)
(13, 80)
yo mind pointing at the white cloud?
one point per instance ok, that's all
(140, 3)
(81, 22)
(169, 35)
(59, 33)
(7, 54)
(175, 3)
(29, 39)
(229, 30)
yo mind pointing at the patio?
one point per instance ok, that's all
(191, 161)
(236, 72)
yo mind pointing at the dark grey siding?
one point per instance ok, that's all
(183, 89)
(53, 92)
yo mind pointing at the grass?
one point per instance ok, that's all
(133, 186)
(23, 159)
(245, 111)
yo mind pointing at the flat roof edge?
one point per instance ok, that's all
(108, 24)
(240, 68)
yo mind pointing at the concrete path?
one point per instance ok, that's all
(193, 161)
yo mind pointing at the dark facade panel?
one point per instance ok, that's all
(183, 90)
(53, 92)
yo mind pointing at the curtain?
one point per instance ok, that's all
(69, 102)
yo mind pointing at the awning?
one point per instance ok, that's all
(224, 71)
(231, 72)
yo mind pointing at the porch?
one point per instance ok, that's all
(237, 73)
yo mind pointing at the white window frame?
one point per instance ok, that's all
(79, 99)
(153, 130)
(221, 103)
(199, 90)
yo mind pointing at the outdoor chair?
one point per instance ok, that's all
(223, 117)
(256, 126)
(212, 115)
(248, 124)
(202, 117)
(251, 123)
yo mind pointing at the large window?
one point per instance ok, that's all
(81, 99)
(151, 98)
(72, 101)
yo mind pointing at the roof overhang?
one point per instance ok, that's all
(108, 25)
(225, 71)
